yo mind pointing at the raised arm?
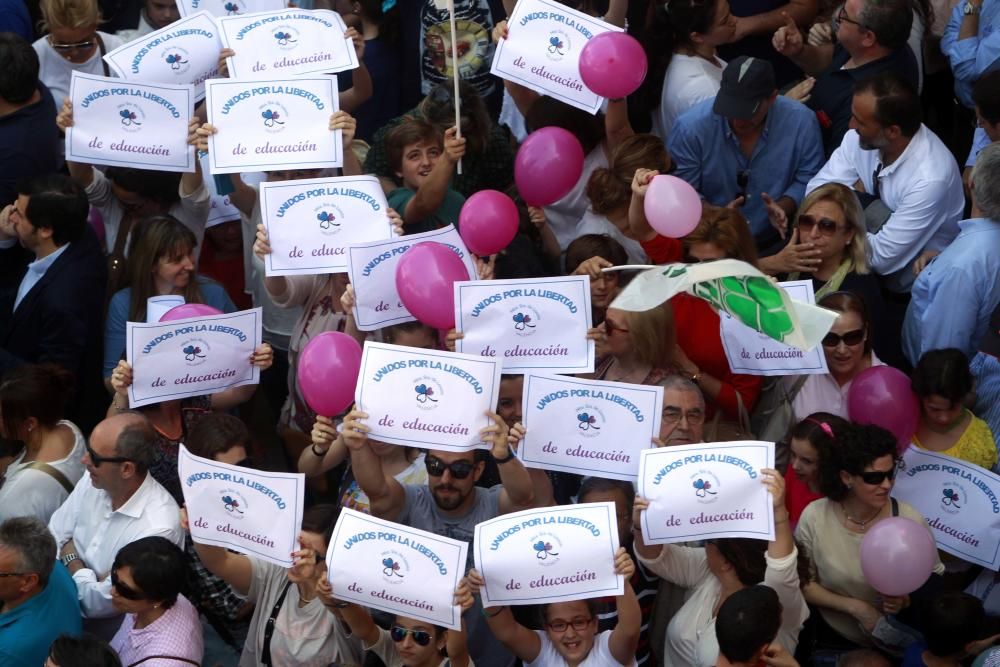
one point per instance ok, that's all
(235, 569)
(341, 120)
(625, 637)
(361, 81)
(788, 41)
(433, 190)
(518, 490)
(638, 225)
(385, 494)
(457, 646)
(800, 12)
(82, 174)
(192, 181)
(519, 640)
(243, 197)
(783, 543)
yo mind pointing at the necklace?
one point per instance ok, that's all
(857, 522)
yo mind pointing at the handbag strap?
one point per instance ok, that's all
(265, 651)
(895, 506)
(42, 466)
(166, 657)
(103, 50)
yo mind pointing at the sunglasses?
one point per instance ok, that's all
(850, 339)
(876, 477)
(398, 634)
(75, 46)
(579, 624)
(827, 227)
(124, 589)
(742, 181)
(97, 459)
(458, 469)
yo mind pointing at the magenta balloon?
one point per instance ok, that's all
(548, 164)
(328, 372)
(425, 278)
(488, 222)
(898, 556)
(186, 310)
(613, 65)
(881, 395)
(672, 206)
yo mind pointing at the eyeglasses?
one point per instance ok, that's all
(842, 17)
(15, 574)
(850, 339)
(74, 46)
(124, 589)
(827, 227)
(673, 416)
(611, 327)
(742, 181)
(97, 459)
(458, 469)
(579, 624)
(398, 634)
(876, 477)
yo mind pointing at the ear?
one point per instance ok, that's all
(696, 37)
(128, 470)
(44, 232)
(845, 478)
(479, 469)
(892, 132)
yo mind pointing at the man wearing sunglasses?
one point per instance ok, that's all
(114, 504)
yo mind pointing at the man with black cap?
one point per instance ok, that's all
(751, 149)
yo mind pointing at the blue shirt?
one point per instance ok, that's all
(788, 153)
(954, 296)
(35, 272)
(972, 56)
(28, 630)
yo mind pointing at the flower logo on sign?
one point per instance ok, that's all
(175, 60)
(556, 45)
(192, 352)
(703, 488)
(231, 8)
(128, 118)
(587, 422)
(390, 568)
(326, 220)
(951, 498)
(271, 118)
(231, 504)
(284, 38)
(543, 550)
(424, 393)
(522, 320)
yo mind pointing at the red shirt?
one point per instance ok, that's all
(229, 272)
(663, 250)
(797, 495)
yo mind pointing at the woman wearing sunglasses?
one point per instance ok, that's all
(146, 582)
(857, 482)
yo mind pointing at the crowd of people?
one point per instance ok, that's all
(854, 144)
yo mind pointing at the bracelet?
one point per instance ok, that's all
(494, 614)
(510, 457)
(337, 605)
(319, 454)
(117, 405)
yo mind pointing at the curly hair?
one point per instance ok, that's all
(859, 446)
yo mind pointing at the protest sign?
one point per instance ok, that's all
(960, 501)
(311, 222)
(396, 569)
(426, 398)
(129, 124)
(184, 52)
(191, 357)
(220, 8)
(588, 427)
(372, 269)
(273, 125)
(250, 511)
(542, 51)
(532, 324)
(287, 43)
(552, 554)
(705, 491)
(753, 353)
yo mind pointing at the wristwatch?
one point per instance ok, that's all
(510, 456)
(969, 9)
(69, 558)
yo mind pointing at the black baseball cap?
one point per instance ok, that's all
(745, 82)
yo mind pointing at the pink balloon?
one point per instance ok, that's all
(881, 395)
(186, 310)
(613, 65)
(672, 206)
(488, 222)
(328, 372)
(897, 556)
(548, 164)
(425, 278)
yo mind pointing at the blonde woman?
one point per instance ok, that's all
(638, 347)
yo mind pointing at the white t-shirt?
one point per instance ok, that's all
(689, 80)
(55, 71)
(30, 492)
(599, 656)
(594, 223)
(565, 214)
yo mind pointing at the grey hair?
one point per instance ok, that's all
(681, 383)
(33, 543)
(986, 182)
(137, 442)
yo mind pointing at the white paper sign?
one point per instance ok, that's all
(426, 398)
(311, 222)
(395, 568)
(542, 51)
(287, 43)
(372, 269)
(273, 125)
(704, 491)
(960, 501)
(184, 52)
(753, 353)
(588, 427)
(129, 124)
(533, 324)
(250, 511)
(222, 8)
(191, 357)
(553, 554)
(157, 306)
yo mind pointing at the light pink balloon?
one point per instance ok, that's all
(328, 372)
(613, 65)
(186, 310)
(548, 164)
(488, 222)
(897, 556)
(672, 206)
(425, 278)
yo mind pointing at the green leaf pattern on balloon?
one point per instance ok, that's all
(754, 301)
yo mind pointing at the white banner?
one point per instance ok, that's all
(960, 501)
(273, 125)
(426, 398)
(372, 269)
(542, 51)
(250, 511)
(192, 357)
(396, 569)
(588, 427)
(287, 43)
(129, 124)
(184, 52)
(311, 222)
(752, 353)
(532, 324)
(220, 8)
(705, 491)
(552, 554)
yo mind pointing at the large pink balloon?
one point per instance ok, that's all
(328, 372)
(897, 556)
(672, 206)
(425, 278)
(488, 222)
(613, 65)
(548, 164)
(881, 395)
(186, 310)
